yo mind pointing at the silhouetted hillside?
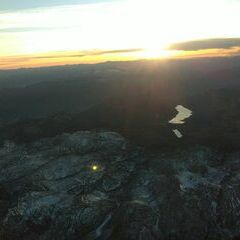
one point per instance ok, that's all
(136, 99)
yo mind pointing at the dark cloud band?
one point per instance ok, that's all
(89, 53)
(219, 43)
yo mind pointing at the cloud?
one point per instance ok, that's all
(10, 5)
(88, 53)
(217, 43)
(60, 58)
(118, 51)
(26, 29)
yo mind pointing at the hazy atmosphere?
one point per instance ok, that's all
(44, 33)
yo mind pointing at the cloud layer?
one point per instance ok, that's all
(217, 43)
(9, 5)
(65, 57)
(89, 53)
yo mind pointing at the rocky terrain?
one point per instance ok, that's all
(95, 185)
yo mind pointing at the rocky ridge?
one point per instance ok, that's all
(95, 185)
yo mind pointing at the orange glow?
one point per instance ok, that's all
(53, 35)
(91, 57)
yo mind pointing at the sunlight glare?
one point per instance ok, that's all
(152, 25)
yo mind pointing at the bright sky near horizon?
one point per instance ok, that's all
(52, 32)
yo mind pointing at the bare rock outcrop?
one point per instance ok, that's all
(95, 185)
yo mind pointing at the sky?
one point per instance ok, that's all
(56, 32)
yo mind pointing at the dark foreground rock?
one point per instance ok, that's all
(94, 185)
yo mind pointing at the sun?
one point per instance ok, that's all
(154, 53)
